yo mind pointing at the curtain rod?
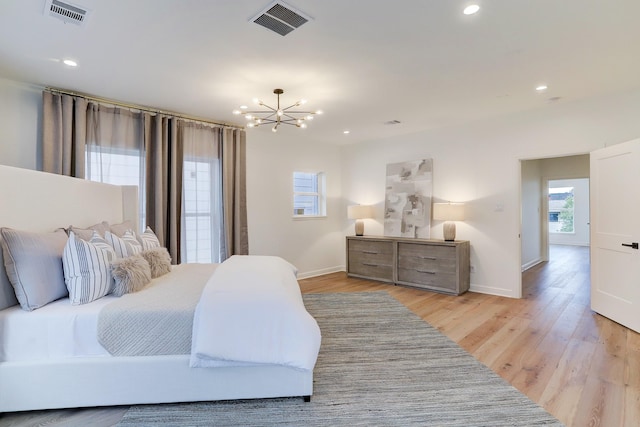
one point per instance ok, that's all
(141, 108)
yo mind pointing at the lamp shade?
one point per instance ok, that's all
(359, 212)
(448, 211)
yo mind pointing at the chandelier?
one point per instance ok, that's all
(276, 115)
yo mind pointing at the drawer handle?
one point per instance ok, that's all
(369, 265)
(370, 252)
(428, 257)
(426, 271)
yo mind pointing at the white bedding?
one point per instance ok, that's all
(58, 330)
(273, 326)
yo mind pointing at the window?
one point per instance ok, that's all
(309, 199)
(561, 210)
(118, 166)
(201, 211)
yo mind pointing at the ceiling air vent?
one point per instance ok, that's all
(280, 18)
(66, 11)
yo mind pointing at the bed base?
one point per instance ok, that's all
(111, 381)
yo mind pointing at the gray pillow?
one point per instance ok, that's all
(86, 233)
(7, 294)
(33, 262)
(159, 261)
(120, 229)
(130, 274)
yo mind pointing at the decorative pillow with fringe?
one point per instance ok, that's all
(159, 260)
(130, 274)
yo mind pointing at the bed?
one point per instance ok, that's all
(67, 366)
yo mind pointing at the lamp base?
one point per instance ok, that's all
(449, 231)
(359, 227)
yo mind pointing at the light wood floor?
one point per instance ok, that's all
(582, 368)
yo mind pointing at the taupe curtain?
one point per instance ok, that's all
(64, 134)
(163, 162)
(71, 123)
(234, 191)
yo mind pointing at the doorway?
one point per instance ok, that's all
(536, 174)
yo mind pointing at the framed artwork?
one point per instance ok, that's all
(407, 205)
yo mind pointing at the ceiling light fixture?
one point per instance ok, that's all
(541, 88)
(471, 9)
(278, 115)
(70, 62)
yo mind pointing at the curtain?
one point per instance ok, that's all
(234, 191)
(164, 181)
(158, 153)
(64, 120)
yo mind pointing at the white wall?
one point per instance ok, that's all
(531, 213)
(20, 116)
(312, 245)
(479, 163)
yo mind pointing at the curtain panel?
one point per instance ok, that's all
(78, 134)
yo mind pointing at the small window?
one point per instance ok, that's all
(561, 210)
(309, 198)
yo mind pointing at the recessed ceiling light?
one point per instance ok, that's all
(541, 88)
(471, 9)
(70, 63)
(346, 132)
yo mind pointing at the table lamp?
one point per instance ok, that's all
(448, 212)
(359, 212)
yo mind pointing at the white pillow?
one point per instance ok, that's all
(87, 268)
(148, 239)
(124, 246)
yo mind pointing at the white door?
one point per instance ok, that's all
(615, 233)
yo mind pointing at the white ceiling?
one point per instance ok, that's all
(363, 63)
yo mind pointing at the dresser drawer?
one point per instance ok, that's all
(445, 282)
(371, 259)
(431, 266)
(427, 252)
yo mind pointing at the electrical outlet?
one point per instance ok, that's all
(472, 268)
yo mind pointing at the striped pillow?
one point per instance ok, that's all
(124, 246)
(148, 239)
(87, 268)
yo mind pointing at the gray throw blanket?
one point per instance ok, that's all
(157, 320)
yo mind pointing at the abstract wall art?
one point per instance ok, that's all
(407, 206)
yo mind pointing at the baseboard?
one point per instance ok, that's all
(531, 264)
(501, 292)
(308, 274)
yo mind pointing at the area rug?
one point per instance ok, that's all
(379, 365)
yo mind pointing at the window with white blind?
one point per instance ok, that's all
(309, 198)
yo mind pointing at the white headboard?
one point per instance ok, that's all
(40, 201)
(43, 202)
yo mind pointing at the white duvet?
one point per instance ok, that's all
(272, 325)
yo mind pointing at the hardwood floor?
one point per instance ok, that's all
(581, 367)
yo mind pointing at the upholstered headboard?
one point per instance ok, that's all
(41, 202)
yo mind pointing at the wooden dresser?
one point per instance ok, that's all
(430, 264)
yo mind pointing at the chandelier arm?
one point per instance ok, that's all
(292, 105)
(300, 112)
(292, 117)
